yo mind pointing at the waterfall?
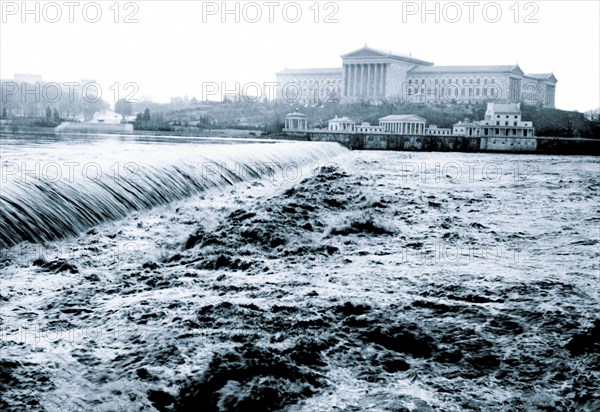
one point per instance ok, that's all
(48, 193)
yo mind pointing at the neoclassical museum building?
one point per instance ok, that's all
(375, 76)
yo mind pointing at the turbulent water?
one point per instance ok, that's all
(327, 281)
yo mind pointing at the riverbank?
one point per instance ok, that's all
(537, 145)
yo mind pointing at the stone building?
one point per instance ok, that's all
(341, 124)
(295, 122)
(366, 127)
(406, 124)
(307, 86)
(433, 130)
(501, 129)
(375, 76)
(504, 120)
(466, 128)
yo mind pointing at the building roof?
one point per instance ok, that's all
(342, 120)
(472, 124)
(465, 69)
(295, 114)
(435, 126)
(542, 76)
(370, 53)
(402, 118)
(323, 72)
(511, 108)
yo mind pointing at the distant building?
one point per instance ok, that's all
(433, 130)
(374, 76)
(366, 127)
(466, 128)
(403, 124)
(504, 120)
(27, 78)
(341, 124)
(295, 122)
(307, 86)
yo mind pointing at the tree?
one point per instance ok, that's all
(56, 116)
(48, 113)
(138, 121)
(146, 117)
(4, 115)
(124, 108)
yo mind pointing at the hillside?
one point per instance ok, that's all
(269, 116)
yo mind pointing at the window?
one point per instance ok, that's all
(477, 91)
(507, 116)
(515, 123)
(462, 92)
(484, 91)
(497, 116)
(497, 124)
(516, 117)
(525, 132)
(505, 123)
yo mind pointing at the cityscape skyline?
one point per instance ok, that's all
(248, 53)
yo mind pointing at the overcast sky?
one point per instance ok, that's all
(176, 46)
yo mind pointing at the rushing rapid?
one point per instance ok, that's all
(57, 190)
(383, 281)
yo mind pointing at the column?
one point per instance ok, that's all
(384, 81)
(345, 80)
(352, 80)
(365, 80)
(357, 80)
(371, 79)
(378, 80)
(368, 85)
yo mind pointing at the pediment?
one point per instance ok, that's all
(365, 52)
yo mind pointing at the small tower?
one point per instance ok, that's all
(296, 122)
